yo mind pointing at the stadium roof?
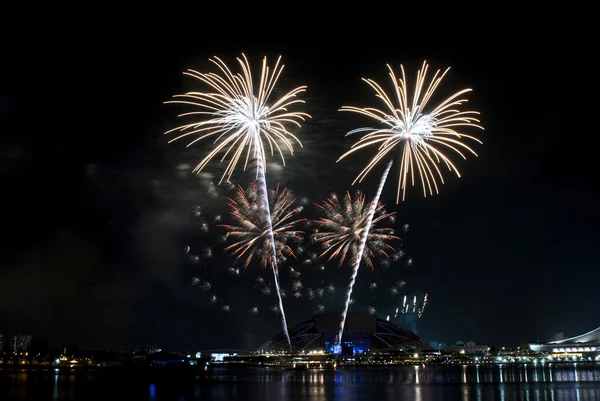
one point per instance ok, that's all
(363, 332)
(589, 337)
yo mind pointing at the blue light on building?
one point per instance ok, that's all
(335, 349)
(348, 347)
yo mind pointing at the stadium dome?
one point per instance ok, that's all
(363, 333)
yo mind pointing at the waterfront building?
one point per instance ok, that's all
(582, 345)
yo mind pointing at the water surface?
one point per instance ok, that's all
(531, 383)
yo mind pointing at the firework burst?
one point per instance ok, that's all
(250, 234)
(239, 116)
(419, 132)
(342, 225)
(243, 122)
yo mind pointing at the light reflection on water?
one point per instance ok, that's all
(503, 383)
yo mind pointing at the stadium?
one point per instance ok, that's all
(363, 333)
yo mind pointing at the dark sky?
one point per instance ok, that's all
(98, 207)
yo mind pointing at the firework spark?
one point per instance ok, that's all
(240, 119)
(422, 308)
(396, 256)
(420, 133)
(417, 307)
(343, 224)
(251, 231)
(195, 281)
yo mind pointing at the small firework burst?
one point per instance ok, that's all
(342, 225)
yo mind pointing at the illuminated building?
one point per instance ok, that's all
(575, 346)
(21, 342)
(363, 333)
(220, 356)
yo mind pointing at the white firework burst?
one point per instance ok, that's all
(419, 133)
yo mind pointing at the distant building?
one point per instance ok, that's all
(468, 349)
(437, 345)
(149, 349)
(1, 342)
(70, 349)
(21, 342)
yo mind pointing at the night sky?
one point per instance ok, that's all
(98, 208)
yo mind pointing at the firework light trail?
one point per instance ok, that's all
(421, 134)
(359, 253)
(408, 308)
(263, 234)
(240, 121)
